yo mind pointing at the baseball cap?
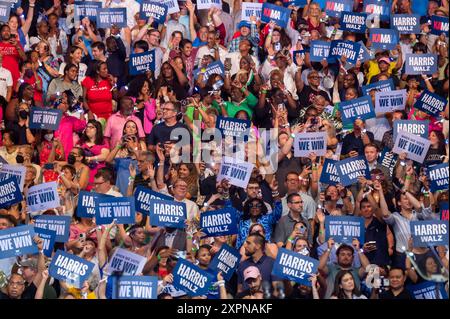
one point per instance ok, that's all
(384, 59)
(244, 23)
(251, 272)
(30, 262)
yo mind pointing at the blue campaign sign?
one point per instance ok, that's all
(86, 203)
(297, 3)
(354, 22)
(143, 195)
(431, 103)
(10, 193)
(382, 86)
(220, 222)
(421, 63)
(319, 50)
(166, 213)
(388, 159)
(293, 266)
(17, 241)
(364, 54)
(428, 290)
(43, 196)
(112, 16)
(59, 224)
(334, 8)
(120, 208)
(14, 171)
(136, 287)
(48, 237)
(358, 108)
(87, 9)
(351, 168)
(212, 68)
(279, 15)
(141, 62)
(406, 23)
(329, 173)
(427, 233)
(233, 127)
(419, 128)
(45, 119)
(191, 279)
(343, 229)
(69, 268)
(349, 49)
(438, 177)
(384, 39)
(443, 208)
(381, 8)
(439, 25)
(5, 10)
(226, 260)
(153, 9)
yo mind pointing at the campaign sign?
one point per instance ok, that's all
(429, 233)
(112, 16)
(406, 23)
(364, 54)
(220, 222)
(296, 3)
(87, 9)
(349, 49)
(167, 213)
(334, 8)
(17, 241)
(136, 287)
(319, 50)
(207, 4)
(427, 290)
(172, 6)
(141, 62)
(329, 173)
(126, 263)
(419, 128)
(43, 196)
(431, 103)
(343, 229)
(353, 22)
(421, 63)
(383, 86)
(45, 119)
(415, 146)
(293, 266)
(16, 171)
(439, 25)
(212, 68)
(48, 240)
(226, 260)
(59, 224)
(251, 9)
(233, 127)
(388, 159)
(236, 172)
(5, 10)
(443, 207)
(191, 278)
(351, 168)
(71, 269)
(10, 193)
(306, 143)
(358, 108)
(384, 39)
(86, 203)
(438, 177)
(142, 197)
(119, 208)
(381, 8)
(279, 15)
(154, 9)
(390, 101)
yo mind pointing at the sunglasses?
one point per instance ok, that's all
(253, 205)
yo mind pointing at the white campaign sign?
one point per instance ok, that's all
(251, 9)
(236, 172)
(390, 101)
(18, 171)
(415, 146)
(307, 143)
(172, 6)
(206, 4)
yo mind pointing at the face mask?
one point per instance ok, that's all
(23, 114)
(48, 137)
(19, 159)
(71, 159)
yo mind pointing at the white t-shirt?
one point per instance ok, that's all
(5, 81)
(82, 69)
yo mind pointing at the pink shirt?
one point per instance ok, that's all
(68, 125)
(114, 128)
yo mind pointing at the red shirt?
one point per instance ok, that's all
(99, 97)
(11, 59)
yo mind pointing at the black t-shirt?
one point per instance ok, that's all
(308, 94)
(29, 292)
(389, 295)
(351, 142)
(162, 133)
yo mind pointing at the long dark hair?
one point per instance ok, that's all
(338, 291)
(22, 88)
(72, 50)
(161, 81)
(125, 125)
(98, 134)
(246, 209)
(135, 86)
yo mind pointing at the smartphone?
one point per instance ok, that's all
(218, 85)
(12, 36)
(227, 61)
(277, 46)
(373, 242)
(82, 237)
(49, 166)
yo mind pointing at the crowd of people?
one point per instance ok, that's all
(117, 133)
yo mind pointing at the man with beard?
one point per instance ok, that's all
(252, 277)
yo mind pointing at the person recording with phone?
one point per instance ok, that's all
(354, 142)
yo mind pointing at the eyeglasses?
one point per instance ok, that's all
(299, 202)
(255, 205)
(16, 283)
(74, 154)
(90, 126)
(167, 109)
(99, 183)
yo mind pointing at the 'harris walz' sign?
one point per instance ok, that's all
(429, 233)
(141, 62)
(421, 63)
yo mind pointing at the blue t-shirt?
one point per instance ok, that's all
(122, 168)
